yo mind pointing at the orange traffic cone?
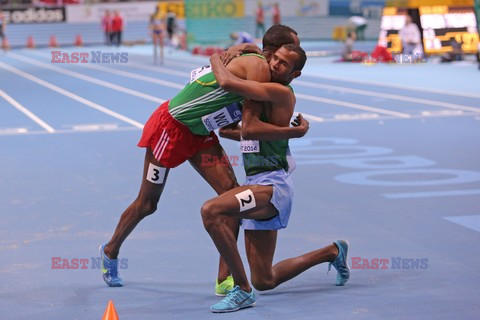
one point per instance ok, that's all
(53, 42)
(30, 42)
(79, 40)
(5, 44)
(110, 312)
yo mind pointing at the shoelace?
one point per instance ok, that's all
(331, 263)
(113, 268)
(233, 296)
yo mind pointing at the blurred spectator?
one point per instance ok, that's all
(107, 21)
(456, 54)
(381, 54)
(347, 55)
(171, 25)
(358, 25)
(241, 37)
(3, 24)
(117, 29)
(259, 21)
(478, 55)
(157, 26)
(276, 16)
(411, 38)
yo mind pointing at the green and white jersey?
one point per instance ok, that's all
(203, 105)
(265, 156)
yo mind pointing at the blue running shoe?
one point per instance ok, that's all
(109, 269)
(340, 263)
(235, 300)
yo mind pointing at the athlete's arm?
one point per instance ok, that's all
(237, 50)
(231, 132)
(273, 92)
(254, 129)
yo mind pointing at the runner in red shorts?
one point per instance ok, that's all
(183, 129)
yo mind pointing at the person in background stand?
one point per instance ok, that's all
(478, 55)
(157, 27)
(3, 23)
(276, 17)
(117, 29)
(411, 38)
(259, 21)
(347, 54)
(241, 37)
(107, 27)
(171, 25)
(358, 25)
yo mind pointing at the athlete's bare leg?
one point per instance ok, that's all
(260, 248)
(221, 178)
(144, 205)
(158, 40)
(228, 205)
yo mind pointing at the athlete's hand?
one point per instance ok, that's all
(228, 55)
(301, 124)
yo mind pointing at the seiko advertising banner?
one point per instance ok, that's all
(290, 8)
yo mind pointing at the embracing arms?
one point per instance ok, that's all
(265, 91)
(252, 128)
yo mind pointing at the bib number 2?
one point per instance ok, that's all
(246, 199)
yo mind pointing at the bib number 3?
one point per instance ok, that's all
(156, 174)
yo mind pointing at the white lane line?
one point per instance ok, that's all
(95, 127)
(9, 131)
(387, 96)
(442, 113)
(140, 66)
(71, 95)
(398, 86)
(135, 76)
(67, 131)
(309, 117)
(357, 116)
(26, 112)
(353, 105)
(87, 78)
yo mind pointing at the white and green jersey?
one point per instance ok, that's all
(203, 105)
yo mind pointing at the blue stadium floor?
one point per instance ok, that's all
(391, 163)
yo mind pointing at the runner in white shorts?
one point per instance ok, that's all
(264, 202)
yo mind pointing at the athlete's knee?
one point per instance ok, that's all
(210, 214)
(146, 207)
(263, 283)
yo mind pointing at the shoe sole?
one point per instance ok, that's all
(233, 310)
(346, 261)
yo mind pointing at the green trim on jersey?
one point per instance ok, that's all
(199, 98)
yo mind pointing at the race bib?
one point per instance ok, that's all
(250, 146)
(199, 72)
(222, 117)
